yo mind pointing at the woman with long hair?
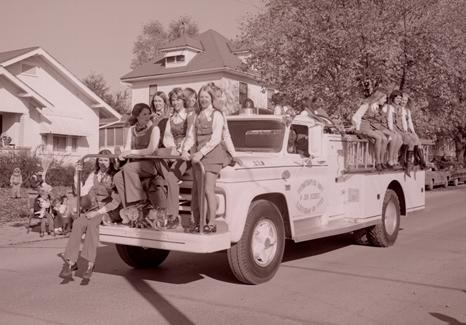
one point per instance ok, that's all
(96, 193)
(363, 121)
(205, 137)
(143, 139)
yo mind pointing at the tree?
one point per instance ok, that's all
(154, 36)
(341, 50)
(119, 101)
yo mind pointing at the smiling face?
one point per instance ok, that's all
(397, 100)
(204, 99)
(404, 100)
(159, 104)
(177, 103)
(144, 116)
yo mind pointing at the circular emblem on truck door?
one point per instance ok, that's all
(310, 196)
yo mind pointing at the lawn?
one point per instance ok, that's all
(17, 210)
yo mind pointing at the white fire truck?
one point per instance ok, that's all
(298, 180)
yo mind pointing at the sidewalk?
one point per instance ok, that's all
(13, 233)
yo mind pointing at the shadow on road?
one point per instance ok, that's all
(447, 319)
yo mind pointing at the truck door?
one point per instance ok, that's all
(307, 195)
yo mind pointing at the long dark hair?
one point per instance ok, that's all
(111, 168)
(137, 109)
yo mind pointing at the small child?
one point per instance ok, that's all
(42, 209)
(62, 210)
(15, 181)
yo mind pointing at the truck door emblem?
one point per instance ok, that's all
(310, 196)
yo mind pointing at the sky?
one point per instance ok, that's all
(97, 36)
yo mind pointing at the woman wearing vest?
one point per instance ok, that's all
(174, 137)
(96, 193)
(407, 149)
(159, 107)
(408, 125)
(396, 139)
(364, 120)
(205, 137)
(143, 139)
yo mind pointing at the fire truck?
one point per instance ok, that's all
(298, 179)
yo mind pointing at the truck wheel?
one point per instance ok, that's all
(385, 233)
(139, 257)
(256, 257)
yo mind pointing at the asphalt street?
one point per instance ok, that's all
(420, 280)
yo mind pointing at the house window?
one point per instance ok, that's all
(180, 58)
(174, 59)
(59, 143)
(110, 137)
(243, 93)
(170, 59)
(28, 69)
(101, 137)
(152, 91)
(74, 144)
(119, 136)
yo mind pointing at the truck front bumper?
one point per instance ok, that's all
(175, 240)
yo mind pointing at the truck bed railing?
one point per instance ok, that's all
(202, 210)
(358, 154)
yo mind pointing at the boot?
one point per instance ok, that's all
(402, 156)
(419, 157)
(409, 163)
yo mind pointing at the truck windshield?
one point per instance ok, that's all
(257, 135)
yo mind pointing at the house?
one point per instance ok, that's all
(194, 61)
(43, 105)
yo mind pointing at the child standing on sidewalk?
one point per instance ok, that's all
(15, 181)
(42, 209)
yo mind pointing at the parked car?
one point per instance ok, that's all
(436, 176)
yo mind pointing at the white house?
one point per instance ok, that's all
(43, 103)
(194, 61)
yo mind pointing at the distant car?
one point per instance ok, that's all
(457, 176)
(436, 177)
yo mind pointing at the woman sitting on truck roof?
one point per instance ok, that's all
(408, 125)
(100, 184)
(143, 139)
(367, 113)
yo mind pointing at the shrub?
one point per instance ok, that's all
(27, 163)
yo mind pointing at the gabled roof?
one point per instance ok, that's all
(183, 42)
(216, 55)
(11, 57)
(5, 56)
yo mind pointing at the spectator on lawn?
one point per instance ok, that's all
(16, 180)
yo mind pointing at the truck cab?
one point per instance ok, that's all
(296, 179)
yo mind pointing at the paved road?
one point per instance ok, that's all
(420, 280)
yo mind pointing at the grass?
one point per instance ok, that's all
(17, 210)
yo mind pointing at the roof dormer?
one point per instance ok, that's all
(181, 51)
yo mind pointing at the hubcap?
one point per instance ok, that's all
(264, 242)
(390, 218)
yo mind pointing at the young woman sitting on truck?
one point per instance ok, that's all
(387, 125)
(362, 121)
(143, 139)
(408, 130)
(174, 137)
(205, 137)
(95, 193)
(159, 107)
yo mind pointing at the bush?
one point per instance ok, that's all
(28, 165)
(58, 174)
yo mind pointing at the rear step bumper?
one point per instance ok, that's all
(168, 240)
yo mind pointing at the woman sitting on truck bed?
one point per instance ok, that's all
(205, 137)
(143, 139)
(363, 122)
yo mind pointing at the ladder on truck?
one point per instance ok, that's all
(358, 154)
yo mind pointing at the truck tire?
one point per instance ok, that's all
(258, 254)
(385, 233)
(139, 257)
